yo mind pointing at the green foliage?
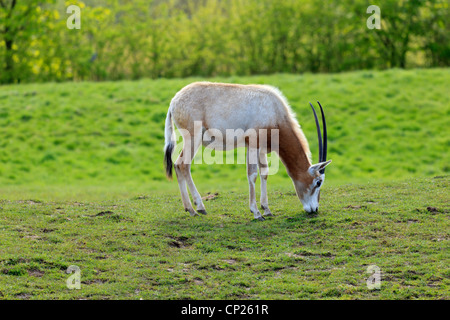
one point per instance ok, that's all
(20, 24)
(133, 39)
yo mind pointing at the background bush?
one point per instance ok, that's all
(131, 39)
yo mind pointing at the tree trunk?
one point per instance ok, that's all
(9, 62)
(9, 41)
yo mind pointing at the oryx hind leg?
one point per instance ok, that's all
(190, 182)
(181, 168)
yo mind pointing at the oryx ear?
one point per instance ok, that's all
(317, 167)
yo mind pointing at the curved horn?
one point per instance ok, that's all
(325, 140)
(318, 133)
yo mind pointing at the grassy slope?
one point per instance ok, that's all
(382, 126)
(146, 247)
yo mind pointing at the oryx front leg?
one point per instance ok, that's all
(264, 173)
(252, 174)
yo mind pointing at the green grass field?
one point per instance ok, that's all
(82, 183)
(146, 247)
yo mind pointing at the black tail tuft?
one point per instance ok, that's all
(168, 159)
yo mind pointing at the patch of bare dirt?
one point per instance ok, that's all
(103, 213)
(209, 196)
(36, 273)
(354, 207)
(180, 242)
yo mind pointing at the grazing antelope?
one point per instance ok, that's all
(222, 107)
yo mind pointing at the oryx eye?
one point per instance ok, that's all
(318, 183)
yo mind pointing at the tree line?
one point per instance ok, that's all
(131, 39)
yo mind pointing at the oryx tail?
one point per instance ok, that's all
(169, 146)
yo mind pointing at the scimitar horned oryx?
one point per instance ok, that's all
(261, 109)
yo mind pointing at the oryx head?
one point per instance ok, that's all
(308, 188)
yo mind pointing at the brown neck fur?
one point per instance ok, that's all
(293, 154)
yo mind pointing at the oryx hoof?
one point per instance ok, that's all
(268, 214)
(191, 212)
(202, 212)
(260, 218)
